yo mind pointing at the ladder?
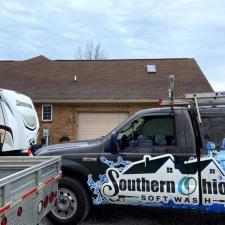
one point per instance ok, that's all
(208, 98)
(196, 99)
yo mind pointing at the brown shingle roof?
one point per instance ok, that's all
(44, 79)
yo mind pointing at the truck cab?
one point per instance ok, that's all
(167, 157)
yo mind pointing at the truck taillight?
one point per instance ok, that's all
(4, 221)
(19, 211)
(28, 152)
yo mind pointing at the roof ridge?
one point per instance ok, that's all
(40, 57)
(85, 60)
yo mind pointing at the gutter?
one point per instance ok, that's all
(101, 101)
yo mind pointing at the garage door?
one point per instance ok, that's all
(93, 125)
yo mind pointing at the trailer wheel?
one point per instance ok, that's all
(72, 205)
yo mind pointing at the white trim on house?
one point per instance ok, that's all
(42, 113)
(101, 101)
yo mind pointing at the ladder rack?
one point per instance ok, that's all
(196, 99)
(207, 99)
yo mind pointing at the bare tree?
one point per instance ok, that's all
(92, 51)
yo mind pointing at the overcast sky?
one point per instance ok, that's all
(125, 29)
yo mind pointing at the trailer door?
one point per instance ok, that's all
(6, 135)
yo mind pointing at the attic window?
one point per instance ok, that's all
(151, 69)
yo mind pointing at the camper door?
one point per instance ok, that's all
(6, 137)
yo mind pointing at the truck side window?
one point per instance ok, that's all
(145, 133)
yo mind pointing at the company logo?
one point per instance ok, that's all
(119, 183)
(156, 180)
(143, 180)
(187, 185)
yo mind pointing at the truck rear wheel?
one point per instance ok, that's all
(72, 205)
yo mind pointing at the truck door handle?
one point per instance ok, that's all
(89, 159)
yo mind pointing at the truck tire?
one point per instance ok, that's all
(72, 205)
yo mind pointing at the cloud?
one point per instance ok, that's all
(217, 75)
(126, 29)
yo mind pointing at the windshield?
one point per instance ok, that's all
(134, 125)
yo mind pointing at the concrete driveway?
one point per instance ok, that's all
(127, 215)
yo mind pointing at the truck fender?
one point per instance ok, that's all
(77, 171)
(74, 168)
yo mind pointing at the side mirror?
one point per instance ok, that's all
(113, 143)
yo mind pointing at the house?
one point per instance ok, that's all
(82, 99)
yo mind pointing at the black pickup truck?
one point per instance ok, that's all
(157, 157)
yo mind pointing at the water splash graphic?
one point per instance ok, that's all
(220, 158)
(120, 164)
(95, 186)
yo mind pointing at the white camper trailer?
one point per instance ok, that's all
(18, 122)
